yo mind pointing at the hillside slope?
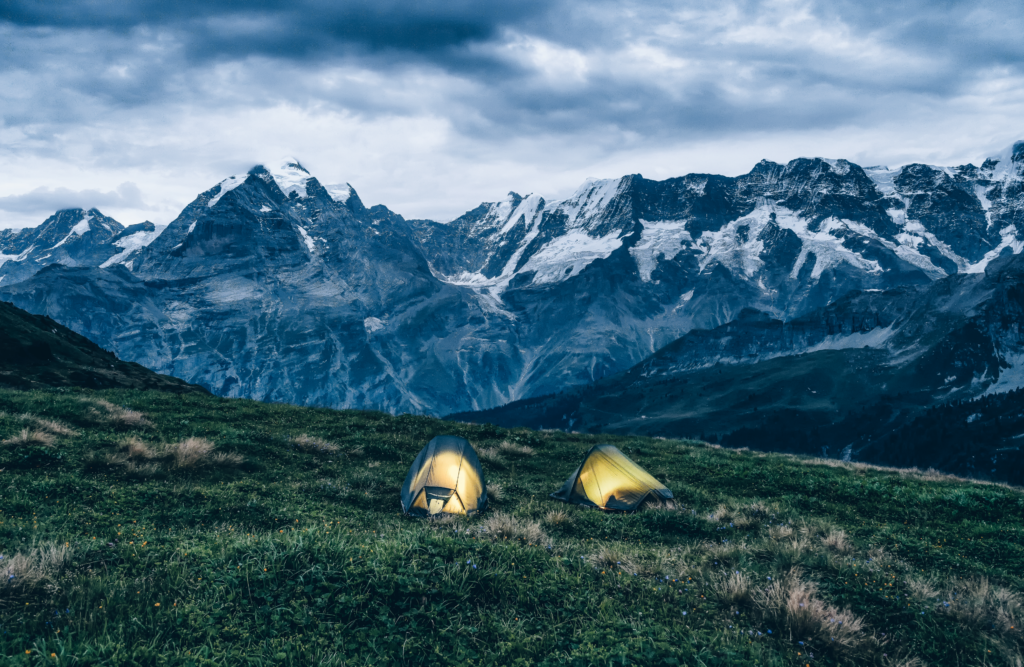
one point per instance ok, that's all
(36, 352)
(150, 528)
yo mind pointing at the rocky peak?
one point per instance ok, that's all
(73, 237)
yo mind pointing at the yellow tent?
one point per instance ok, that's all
(610, 480)
(445, 477)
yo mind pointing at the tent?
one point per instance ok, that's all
(445, 477)
(610, 480)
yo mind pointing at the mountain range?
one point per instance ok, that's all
(273, 286)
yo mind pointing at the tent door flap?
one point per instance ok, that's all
(437, 497)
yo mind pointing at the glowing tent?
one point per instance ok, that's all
(445, 477)
(610, 480)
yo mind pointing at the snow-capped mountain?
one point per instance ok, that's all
(274, 286)
(71, 237)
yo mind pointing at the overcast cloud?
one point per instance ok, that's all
(430, 107)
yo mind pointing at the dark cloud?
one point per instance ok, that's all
(596, 77)
(46, 200)
(296, 28)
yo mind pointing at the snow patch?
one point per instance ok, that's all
(1009, 240)
(876, 338)
(81, 228)
(226, 186)
(565, 256)
(589, 200)
(190, 228)
(16, 258)
(1006, 169)
(527, 210)
(340, 193)
(306, 238)
(658, 239)
(131, 244)
(841, 167)
(883, 178)
(290, 177)
(373, 324)
(911, 238)
(265, 209)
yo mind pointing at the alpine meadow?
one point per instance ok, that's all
(141, 527)
(556, 333)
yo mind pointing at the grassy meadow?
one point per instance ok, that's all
(145, 528)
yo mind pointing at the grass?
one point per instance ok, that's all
(206, 531)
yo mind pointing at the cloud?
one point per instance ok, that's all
(45, 200)
(168, 95)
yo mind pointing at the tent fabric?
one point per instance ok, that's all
(608, 479)
(445, 478)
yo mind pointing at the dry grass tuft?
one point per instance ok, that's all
(49, 425)
(314, 445)
(742, 521)
(513, 449)
(721, 514)
(448, 520)
(141, 470)
(978, 604)
(557, 518)
(138, 449)
(789, 552)
(758, 510)
(27, 437)
(141, 459)
(922, 589)
(733, 589)
(491, 455)
(226, 459)
(501, 526)
(191, 452)
(609, 558)
(115, 415)
(495, 492)
(791, 603)
(780, 532)
(837, 541)
(658, 505)
(23, 572)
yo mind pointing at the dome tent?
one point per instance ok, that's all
(445, 477)
(608, 479)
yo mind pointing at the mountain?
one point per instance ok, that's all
(72, 237)
(847, 376)
(36, 352)
(273, 286)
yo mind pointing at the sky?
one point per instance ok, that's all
(433, 106)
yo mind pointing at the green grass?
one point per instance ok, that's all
(299, 553)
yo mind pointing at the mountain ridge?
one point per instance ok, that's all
(271, 285)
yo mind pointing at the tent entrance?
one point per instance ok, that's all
(438, 497)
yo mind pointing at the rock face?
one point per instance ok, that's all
(273, 286)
